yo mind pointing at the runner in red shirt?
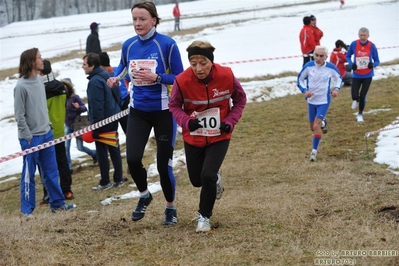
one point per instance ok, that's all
(176, 14)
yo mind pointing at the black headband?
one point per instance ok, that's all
(201, 51)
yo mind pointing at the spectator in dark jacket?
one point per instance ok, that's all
(120, 91)
(93, 42)
(102, 104)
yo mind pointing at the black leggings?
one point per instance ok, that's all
(138, 131)
(203, 165)
(361, 98)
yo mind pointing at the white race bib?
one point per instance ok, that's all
(362, 62)
(139, 65)
(210, 120)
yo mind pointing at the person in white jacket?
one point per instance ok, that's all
(314, 81)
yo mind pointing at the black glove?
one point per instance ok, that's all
(225, 127)
(95, 134)
(370, 65)
(194, 124)
(354, 67)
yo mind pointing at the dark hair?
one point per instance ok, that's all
(26, 62)
(340, 43)
(47, 67)
(150, 7)
(104, 59)
(306, 20)
(92, 59)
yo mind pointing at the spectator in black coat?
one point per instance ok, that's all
(93, 42)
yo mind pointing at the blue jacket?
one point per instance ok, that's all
(164, 50)
(102, 103)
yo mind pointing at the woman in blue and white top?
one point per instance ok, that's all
(319, 76)
(152, 60)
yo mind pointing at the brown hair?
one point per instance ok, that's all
(150, 7)
(92, 60)
(26, 62)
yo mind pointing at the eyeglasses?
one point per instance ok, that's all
(318, 55)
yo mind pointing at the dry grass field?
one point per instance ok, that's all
(278, 208)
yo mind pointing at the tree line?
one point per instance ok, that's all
(24, 10)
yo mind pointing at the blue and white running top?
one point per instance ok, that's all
(318, 80)
(161, 54)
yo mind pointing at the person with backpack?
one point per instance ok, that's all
(56, 103)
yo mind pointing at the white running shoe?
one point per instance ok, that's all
(355, 104)
(360, 118)
(313, 155)
(219, 187)
(203, 224)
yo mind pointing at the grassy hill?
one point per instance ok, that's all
(278, 208)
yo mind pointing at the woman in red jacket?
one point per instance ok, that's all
(306, 39)
(176, 14)
(200, 103)
(338, 58)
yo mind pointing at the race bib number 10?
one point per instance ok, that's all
(210, 120)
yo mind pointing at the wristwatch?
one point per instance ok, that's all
(158, 79)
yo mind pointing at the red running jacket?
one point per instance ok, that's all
(306, 38)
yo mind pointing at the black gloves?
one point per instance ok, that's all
(194, 124)
(95, 134)
(354, 67)
(370, 65)
(225, 127)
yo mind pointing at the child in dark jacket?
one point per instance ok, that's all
(74, 107)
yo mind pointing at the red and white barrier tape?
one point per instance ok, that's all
(368, 134)
(66, 137)
(281, 57)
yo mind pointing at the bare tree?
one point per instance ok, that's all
(19, 10)
(30, 9)
(65, 10)
(77, 6)
(127, 4)
(17, 4)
